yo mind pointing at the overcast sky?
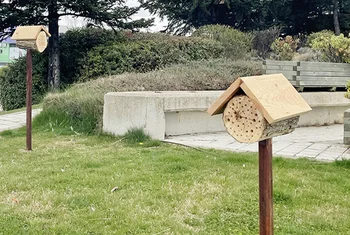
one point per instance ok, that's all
(76, 22)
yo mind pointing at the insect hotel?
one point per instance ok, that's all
(31, 37)
(260, 107)
(256, 109)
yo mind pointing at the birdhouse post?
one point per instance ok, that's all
(255, 109)
(30, 38)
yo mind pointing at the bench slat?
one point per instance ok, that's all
(324, 74)
(318, 78)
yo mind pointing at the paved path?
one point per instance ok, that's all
(321, 143)
(15, 120)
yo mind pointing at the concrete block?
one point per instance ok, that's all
(184, 112)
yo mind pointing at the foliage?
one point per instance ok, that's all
(80, 108)
(347, 94)
(236, 43)
(75, 45)
(284, 48)
(13, 82)
(313, 36)
(136, 136)
(65, 186)
(333, 48)
(144, 56)
(263, 40)
(113, 13)
(247, 15)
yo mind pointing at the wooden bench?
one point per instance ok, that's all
(311, 74)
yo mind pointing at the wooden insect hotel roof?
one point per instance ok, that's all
(28, 32)
(273, 95)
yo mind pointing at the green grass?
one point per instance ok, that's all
(36, 106)
(64, 187)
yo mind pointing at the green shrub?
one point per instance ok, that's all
(236, 43)
(80, 108)
(13, 82)
(323, 33)
(333, 48)
(144, 56)
(75, 45)
(284, 48)
(263, 40)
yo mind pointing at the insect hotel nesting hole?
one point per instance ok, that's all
(245, 123)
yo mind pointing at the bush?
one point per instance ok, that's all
(284, 48)
(144, 56)
(75, 45)
(333, 48)
(323, 33)
(236, 43)
(80, 108)
(13, 82)
(263, 40)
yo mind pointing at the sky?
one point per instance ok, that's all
(68, 22)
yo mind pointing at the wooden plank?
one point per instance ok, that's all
(321, 83)
(323, 64)
(269, 71)
(275, 95)
(324, 74)
(277, 62)
(219, 105)
(318, 78)
(323, 69)
(280, 67)
(28, 32)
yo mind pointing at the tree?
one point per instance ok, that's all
(112, 13)
(294, 16)
(336, 17)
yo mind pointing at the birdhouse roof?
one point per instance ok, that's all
(273, 94)
(29, 32)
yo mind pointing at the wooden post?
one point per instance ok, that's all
(29, 99)
(265, 187)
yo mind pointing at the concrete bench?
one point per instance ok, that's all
(168, 113)
(311, 74)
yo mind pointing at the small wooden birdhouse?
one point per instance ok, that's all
(260, 107)
(31, 37)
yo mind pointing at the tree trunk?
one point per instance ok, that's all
(336, 17)
(54, 52)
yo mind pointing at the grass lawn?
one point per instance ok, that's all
(64, 187)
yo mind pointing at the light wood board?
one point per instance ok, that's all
(28, 32)
(275, 95)
(220, 104)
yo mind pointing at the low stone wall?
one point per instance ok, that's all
(183, 112)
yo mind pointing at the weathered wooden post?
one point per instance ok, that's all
(30, 38)
(255, 109)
